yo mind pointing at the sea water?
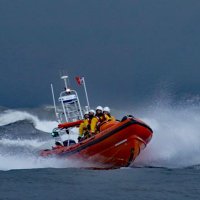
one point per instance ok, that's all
(168, 168)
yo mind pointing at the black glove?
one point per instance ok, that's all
(79, 138)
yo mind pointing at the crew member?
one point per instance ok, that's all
(91, 116)
(109, 117)
(97, 120)
(83, 126)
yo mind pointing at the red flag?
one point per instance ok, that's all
(79, 80)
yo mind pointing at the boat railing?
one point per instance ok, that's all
(71, 105)
(69, 108)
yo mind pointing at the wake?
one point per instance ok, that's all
(175, 142)
(10, 162)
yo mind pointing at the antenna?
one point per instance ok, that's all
(86, 95)
(54, 103)
(65, 81)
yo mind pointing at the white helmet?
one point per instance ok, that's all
(92, 111)
(107, 109)
(99, 108)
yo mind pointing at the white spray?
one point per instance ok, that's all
(176, 139)
(175, 142)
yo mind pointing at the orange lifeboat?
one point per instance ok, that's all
(117, 144)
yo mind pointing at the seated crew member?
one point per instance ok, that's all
(97, 120)
(109, 117)
(91, 116)
(84, 129)
(83, 126)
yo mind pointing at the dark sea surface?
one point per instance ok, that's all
(169, 167)
(126, 183)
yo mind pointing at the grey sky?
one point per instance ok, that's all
(127, 50)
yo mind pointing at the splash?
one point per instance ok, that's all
(12, 116)
(175, 143)
(176, 139)
(23, 153)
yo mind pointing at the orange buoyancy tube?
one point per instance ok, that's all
(107, 124)
(70, 124)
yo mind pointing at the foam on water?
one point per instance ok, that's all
(24, 154)
(21, 161)
(176, 139)
(15, 153)
(33, 143)
(175, 143)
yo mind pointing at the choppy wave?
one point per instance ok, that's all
(24, 154)
(175, 143)
(12, 116)
(18, 151)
